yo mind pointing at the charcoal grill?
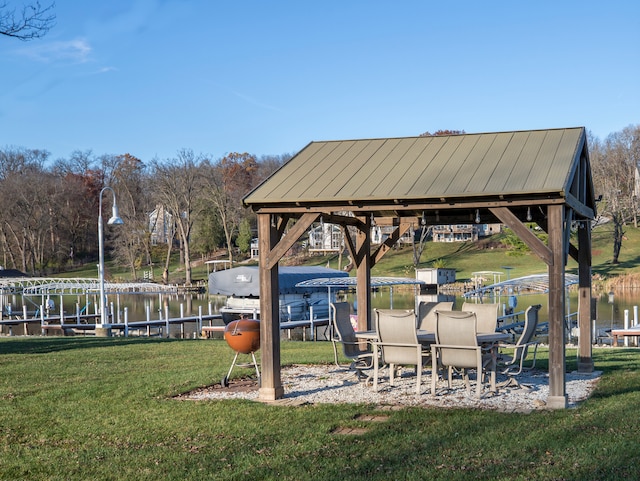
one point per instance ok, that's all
(243, 336)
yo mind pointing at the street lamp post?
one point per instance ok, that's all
(103, 327)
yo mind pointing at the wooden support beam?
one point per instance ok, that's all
(362, 259)
(523, 232)
(270, 380)
(285, 243)
(585, 341)
(557, 362)
(388, 244)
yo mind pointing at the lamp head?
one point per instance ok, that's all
(115, 216)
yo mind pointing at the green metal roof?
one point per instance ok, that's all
(434, 168)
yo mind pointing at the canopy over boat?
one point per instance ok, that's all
(345, 282)
(533, 284)
(244, 281)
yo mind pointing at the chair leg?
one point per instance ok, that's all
(467, 381)
(392, 371)
(493, 376)
(375, 372)
(335, 353)
(434, 370)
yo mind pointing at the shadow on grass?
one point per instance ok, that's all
(608, 268)
(43, 345)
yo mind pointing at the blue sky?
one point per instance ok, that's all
(152, 77)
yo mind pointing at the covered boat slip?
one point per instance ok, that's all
(522, 286)
(513, 178)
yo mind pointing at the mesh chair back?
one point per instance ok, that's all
(397, 327)
(341, 314)
(427, 314)
(459, 329)
(530, 326)
(486, 314)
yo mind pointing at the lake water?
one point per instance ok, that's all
(139, 306)
(608, 315)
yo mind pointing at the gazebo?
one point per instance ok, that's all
(513, 178)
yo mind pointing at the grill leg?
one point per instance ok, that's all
(253, 355)
(225, 380)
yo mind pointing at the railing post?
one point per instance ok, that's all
(626, 326)
(166, 320)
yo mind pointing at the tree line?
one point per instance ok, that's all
(48, 220)
(614, 167)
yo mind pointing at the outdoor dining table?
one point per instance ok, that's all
(426, 337)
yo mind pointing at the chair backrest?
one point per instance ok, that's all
(427, 314)
(529, 330)
(341, 318)
(397, 327)
(487, 315)
(459, 329)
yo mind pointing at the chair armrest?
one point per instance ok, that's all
(515, 346)
(449, 346)
(395, 344)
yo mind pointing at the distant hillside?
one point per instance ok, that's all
(495, 254)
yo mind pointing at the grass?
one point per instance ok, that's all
(88, 408)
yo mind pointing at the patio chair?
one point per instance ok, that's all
(361, 358)
(513, 364)
(486, 314)
(427, 314)
(457, 346)
(397, 344)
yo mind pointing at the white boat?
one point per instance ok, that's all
(242, 287)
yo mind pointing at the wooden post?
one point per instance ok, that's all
(557, 388)
(585, 360)
(363, 275)
(270, 380)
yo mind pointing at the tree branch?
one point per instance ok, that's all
(33, 22)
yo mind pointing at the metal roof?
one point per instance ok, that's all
(36, 286)
(436, 169)
(533, 284)
(344, 282)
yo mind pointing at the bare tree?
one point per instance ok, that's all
(420, 237)
(614, 164)
(25, 189)
(227, 181)
(177, 185)
(32, 21)
(132, 245)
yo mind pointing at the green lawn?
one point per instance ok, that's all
(91, 408)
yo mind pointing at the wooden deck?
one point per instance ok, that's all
(633, 332)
